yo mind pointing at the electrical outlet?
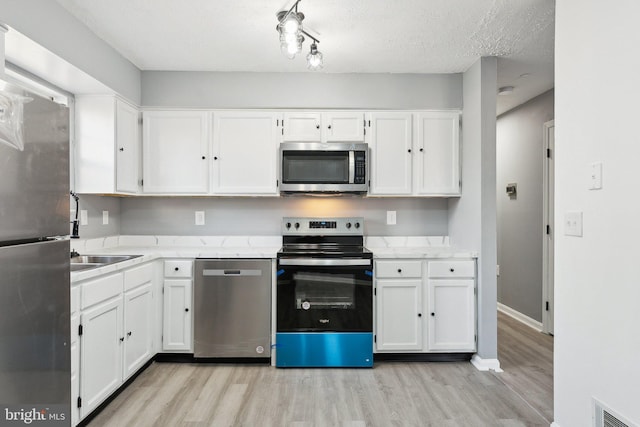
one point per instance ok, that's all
(391, 217)
(573, 224)
(105, 217)
(199, 217)
(84, 217)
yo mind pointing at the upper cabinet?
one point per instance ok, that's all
(437, 153)
(235, 153)
(245, 148)
(336, 126)
(391, 160)
(176, 152)
(414, 154)
(107, 145)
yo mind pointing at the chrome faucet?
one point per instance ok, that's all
(75, 222)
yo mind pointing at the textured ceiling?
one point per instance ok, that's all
(356, 36)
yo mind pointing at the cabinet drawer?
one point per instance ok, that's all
(101, 289)
(398, 269)
(452, 269)
(181, 268)
(138, 276)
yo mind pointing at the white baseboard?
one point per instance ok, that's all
(485, 364)
(555, 424)
(532, 323)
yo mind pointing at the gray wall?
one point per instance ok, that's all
(300, 90)
(262, 216)
(50, 25)
(472, 220)
(520, 157)
(94, 205)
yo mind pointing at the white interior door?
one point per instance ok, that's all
(548, 243)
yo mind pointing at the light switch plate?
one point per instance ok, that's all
(105, 217)
(391, 217)
(595, 176)
(573, 224)
(84, 217)
(199, 217)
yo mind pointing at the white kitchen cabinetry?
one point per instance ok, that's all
(425, 312)
(176, 152)
(334, 126)
(398, 305)
(436, 153)
(245, 148)
(116, 333)
(177, 315)
(101, 341)
(138, 328)
(390, 141)
(451, 306)
(414, 154)
(107, 145)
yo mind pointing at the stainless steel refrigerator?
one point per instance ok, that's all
(34, 261)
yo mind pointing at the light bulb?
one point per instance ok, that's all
(291, 25)
(314, 58)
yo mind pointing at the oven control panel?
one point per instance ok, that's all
(348, 226)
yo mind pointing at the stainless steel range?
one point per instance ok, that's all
(324, 294)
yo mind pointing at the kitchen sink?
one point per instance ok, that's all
(85, 262)
(80, 267)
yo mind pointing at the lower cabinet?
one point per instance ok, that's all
(398, 305)
(101, 360)
(177, 319)
(115, 333)
(425, 306)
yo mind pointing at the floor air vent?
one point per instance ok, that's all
(605, 417)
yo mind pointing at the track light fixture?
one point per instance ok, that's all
(292, 36)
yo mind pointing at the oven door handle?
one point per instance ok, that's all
(323, 261)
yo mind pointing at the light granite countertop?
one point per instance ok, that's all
(157, 247)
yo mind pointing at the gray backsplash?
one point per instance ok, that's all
(262, 216)
(94, 205)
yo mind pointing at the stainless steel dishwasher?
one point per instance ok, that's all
(232, 308)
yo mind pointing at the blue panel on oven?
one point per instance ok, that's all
(324, 349)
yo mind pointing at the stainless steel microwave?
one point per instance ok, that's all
(315, 167)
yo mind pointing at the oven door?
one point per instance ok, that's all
(322, 295)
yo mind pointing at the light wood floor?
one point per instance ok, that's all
(391, 394)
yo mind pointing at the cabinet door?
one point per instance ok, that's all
(399, 315)
(95, 144)
(138, 328)
(245, 147)
(390, 141)
(176, 152)
(437, 153)
(301, 127)
(177, 315)
(343, 126)
(101, 353)
(127, 148)
(451, 315)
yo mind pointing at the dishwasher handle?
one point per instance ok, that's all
(230, 272)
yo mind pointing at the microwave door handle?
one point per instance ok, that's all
(352, 167)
